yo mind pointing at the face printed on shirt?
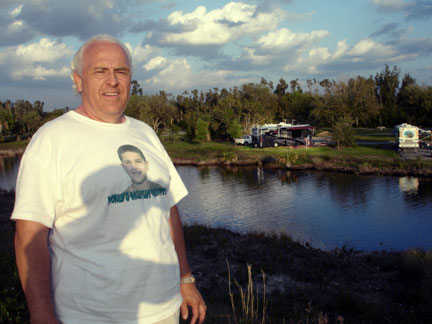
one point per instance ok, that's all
(135, 166)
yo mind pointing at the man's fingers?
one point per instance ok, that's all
(202, 315)
(184, 311)
(195, 313)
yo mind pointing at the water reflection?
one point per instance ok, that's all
(408, 184)
(325, 209)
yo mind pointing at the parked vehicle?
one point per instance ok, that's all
(281, 134)
(407, 136)
(245, 140)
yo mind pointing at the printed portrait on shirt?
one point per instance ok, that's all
(136, 167)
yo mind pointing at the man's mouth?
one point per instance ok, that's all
(111, 94)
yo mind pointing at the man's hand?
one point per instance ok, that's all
(193, 299)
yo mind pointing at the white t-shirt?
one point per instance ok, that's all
(113, 260)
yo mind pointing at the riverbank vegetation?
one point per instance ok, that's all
(368, 158)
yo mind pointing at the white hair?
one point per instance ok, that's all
(77, 61)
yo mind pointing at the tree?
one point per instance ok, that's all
(387, 85)
(333, 104)
(362, 101)
(416, 103)
(155, 110)
(343, 133)
(258, 103)
(136, 88)
(201, 130)
(235, 129)
(295, 86)
(281, 87)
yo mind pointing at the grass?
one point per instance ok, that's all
(14, 145)
(252, 310)
(362, 159)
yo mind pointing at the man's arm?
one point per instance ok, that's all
(191, 295)
(34, 268)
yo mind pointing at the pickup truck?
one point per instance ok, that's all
(245, 140)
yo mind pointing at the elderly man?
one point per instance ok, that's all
(87, 251)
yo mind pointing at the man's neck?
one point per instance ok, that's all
(111, 119)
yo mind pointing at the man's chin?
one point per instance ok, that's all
(137, 183)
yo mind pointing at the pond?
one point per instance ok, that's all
(326, 210)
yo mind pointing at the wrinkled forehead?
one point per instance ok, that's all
(105, 54)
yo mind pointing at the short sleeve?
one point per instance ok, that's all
(34, 198)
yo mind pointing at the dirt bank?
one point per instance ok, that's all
(302, 283)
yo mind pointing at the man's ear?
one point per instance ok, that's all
(78, 82)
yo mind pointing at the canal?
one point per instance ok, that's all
(326, 210)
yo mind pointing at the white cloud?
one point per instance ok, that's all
(320, 54)
(175, 73)
(178, 75)
(16, 11)
(141, 53)
(44, 51)
(281, 47)
(38, 72)
(366, 52)
(37, 61)
(284, 39)
(218, 26)
(155, 63)
(368, 47)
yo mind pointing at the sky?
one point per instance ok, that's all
(179, 46)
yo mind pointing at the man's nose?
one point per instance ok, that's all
(112, 79)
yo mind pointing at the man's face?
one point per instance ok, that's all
(104, 83)
(135, 166)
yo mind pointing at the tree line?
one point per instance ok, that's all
(387, 99)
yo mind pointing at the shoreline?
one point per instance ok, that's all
(327, 166)
(364, 165)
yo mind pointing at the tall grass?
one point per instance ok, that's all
(251, 311)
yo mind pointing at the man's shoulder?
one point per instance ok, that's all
(55, 126)
(140, 124)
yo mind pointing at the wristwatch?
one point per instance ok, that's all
(188, 280)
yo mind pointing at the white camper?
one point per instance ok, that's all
(407, 136)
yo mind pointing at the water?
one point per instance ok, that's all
(8, 172)
(327, 210)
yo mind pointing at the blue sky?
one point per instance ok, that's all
(179, 46)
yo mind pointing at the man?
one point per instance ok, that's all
(136, 166)
(86, 251)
